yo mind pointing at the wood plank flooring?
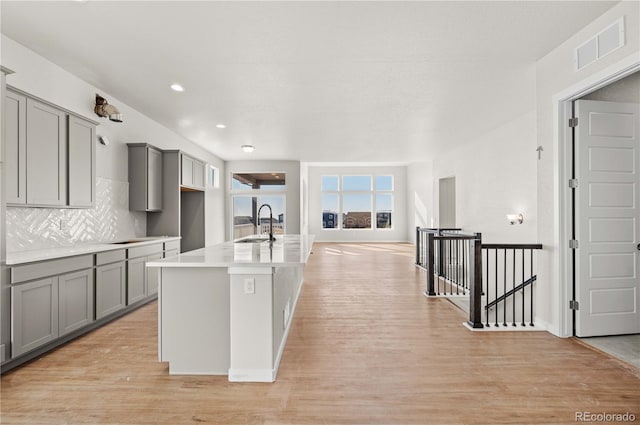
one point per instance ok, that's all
(365, 348)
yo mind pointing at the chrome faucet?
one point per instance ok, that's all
(271, 238)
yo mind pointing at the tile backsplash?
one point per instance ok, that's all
(40, 228)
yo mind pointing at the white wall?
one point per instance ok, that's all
(495, 176)
(556, 74)
(419, 197)
(399, 219)
(44, 79)
(291, 168)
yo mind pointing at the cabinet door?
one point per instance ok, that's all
(154, 180)
(46, 154)
(136, 280)
(76, 300)
(34, 318)
(111, 288)
(82, 162)
(198, 174)
(152, 276)
(171, 253)
(15, 148)
(187, 171)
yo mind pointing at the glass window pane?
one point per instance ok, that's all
(330, 211)
(384, 182)
(243, 216)
(330, 183)
(278, 207)
(356, 211)
(356, 183)
(384, 209)
(262, 181)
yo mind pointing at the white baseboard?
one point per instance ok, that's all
(251, 375)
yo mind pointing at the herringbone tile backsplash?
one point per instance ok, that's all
(39, 228)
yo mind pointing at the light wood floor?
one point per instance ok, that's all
(365, 348)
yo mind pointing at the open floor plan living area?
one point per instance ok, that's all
(319, 212)
(366, 347)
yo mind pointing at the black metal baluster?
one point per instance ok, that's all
(496, 294)
(513, 282)
(457, 268)
(504, 284)
(524, 290)
(531, 290)
(487, 280)
(464, 266)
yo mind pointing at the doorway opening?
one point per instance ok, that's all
(563, 235)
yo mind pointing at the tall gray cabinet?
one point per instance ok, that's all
(145, 177)
(5, 291)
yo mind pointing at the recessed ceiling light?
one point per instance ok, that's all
(221, 126)
(177, 87)
(247, 148)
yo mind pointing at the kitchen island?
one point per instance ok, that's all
(226, 309)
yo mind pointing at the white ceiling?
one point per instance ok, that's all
(313, 81)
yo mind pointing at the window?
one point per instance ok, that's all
(213, 179)
(245, 211)
(249, 191)
(352, 204)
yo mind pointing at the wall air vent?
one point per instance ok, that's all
(603, 43)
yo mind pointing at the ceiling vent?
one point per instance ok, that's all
(603, 43)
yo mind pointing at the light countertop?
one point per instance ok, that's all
(286, 250)
(21, 257)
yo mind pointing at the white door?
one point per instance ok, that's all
(607, 217)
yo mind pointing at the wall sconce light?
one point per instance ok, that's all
(103, 109)
(515, 218)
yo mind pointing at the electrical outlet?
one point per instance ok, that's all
(250, 286)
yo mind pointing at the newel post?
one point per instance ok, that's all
(418, 246)
(430, 260)
(475, 275)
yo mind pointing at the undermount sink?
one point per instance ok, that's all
(252, 240)
(126, 242)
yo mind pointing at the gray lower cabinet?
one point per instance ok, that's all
(75, 304)
(34, 308)
(111, 288)
(136, 279)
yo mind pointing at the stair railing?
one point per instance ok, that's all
(456, 263)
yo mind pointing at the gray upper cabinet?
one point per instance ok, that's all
(145, 177)
(50, 154)
(46, 154)
(192, 175)
(16, 148)
(82, 162)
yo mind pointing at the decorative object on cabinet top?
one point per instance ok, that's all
(103, 109)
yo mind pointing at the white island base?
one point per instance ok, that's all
(226, 319)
